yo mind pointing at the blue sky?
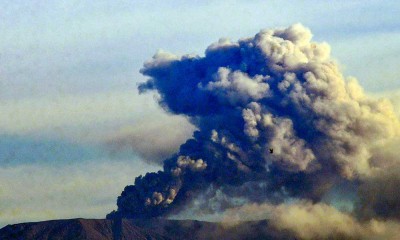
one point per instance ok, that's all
(73, 129)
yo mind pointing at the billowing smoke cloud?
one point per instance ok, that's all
(305, 220)
(277, 90)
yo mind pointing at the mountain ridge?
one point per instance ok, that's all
(127, 229)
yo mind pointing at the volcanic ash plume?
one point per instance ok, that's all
(277, 90)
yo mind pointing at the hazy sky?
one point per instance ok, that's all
(74, 130)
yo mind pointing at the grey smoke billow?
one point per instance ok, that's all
(279, 90)
(305, 220)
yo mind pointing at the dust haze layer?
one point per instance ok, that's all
(278, 90)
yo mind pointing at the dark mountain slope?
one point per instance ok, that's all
(76, 229)
(127, 229)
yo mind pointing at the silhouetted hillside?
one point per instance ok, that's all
(154, 229)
